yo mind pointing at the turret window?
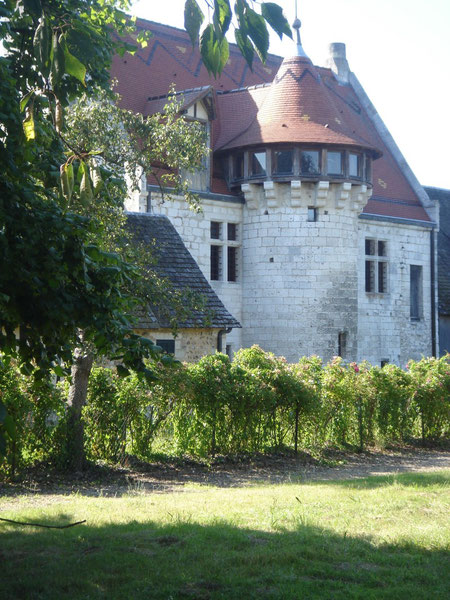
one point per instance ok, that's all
(297, 161)
(238, 166)
(354, 165)
(334, 163)
(258, 163)
(309, 162)
(283, 161)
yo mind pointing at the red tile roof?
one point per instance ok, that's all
(244, 116)
(297, 107)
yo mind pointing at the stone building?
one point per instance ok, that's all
(315, 233)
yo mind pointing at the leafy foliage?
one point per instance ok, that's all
(250, 30)
(256, 403)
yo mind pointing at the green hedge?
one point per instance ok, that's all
(257, 403)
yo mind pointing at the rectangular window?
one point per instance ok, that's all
(342, 344)
(376, 268)
(312, 214)
(309, 162)
(168, 346)
(368, 170)
(229, 351)
(258, 163)
(216, 263)
(354, 165)
(216, 230)
(283, 161)
(384, 362)
(334, 163)
(416, 296)
(232, 232)
(232, 263)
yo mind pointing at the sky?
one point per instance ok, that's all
(398, 49)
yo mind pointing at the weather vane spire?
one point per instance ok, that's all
(296, 25)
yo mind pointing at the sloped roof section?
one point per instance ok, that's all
(156, 104)
(170, 59)
(175, 264)
(297, 108)
(443, 196)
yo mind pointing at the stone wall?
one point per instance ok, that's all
(300, 276)
(195, 231)
(190, 344)
(386, 329)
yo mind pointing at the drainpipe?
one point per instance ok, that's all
(433, 295)
(219, 338)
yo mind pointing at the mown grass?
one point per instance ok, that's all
(379, 537)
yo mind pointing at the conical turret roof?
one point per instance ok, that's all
(297, 108)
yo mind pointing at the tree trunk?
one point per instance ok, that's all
(81, 369)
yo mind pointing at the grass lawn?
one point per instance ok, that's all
(381, 537)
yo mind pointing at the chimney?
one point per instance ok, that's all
(337, 61)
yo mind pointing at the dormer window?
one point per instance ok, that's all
(283, 161)
(334, 163)
(258, 163)
(354, 165)
(310, 162)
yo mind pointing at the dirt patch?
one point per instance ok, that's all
(43, 486)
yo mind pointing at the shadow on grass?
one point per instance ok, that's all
(419, 480)
(184, 560)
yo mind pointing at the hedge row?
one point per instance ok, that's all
(257, 403)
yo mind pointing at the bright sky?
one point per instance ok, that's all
(398, 49)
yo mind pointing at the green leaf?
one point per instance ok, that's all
(273, 14)
(58, 67)
(73, 66)
(3, 412)
(2, 444)
(25, 100)
(193, 18)
(222, 15)
(214, 51)
(42, 46)
(10, 427)
(245, 46)
(28, 126)
(122, 371)
(59, 371)
(257, 31)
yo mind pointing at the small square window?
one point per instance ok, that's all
(309, 162)
(384, 362)
(312, 214)
(168, 346)
(216, 230)
(258, 163)
(334, 163)
(283, 160)
(232, 232)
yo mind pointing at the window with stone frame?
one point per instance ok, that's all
(168, 346)
(224, 251)
(415, 292)
(376, 266)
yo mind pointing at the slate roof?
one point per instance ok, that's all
(443, 242)
(170, 58)
(175, 264)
